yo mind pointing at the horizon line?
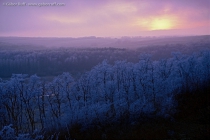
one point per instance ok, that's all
(105, 36)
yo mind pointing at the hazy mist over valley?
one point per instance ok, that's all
(48, 57)
(98, 42)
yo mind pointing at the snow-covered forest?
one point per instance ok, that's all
(114, 91)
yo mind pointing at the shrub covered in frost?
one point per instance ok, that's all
(8, 133)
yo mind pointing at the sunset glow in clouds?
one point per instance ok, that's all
(106, 18)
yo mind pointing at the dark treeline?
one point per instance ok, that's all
(121, 92)
(48, 62)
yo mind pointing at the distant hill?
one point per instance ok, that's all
(99, 42)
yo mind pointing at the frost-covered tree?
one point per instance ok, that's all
(122, 92)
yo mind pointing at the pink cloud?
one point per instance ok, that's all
(105, 18)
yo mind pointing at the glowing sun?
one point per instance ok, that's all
(161, 24)
(158, 23)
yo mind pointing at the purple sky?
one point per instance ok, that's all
(105, 18)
